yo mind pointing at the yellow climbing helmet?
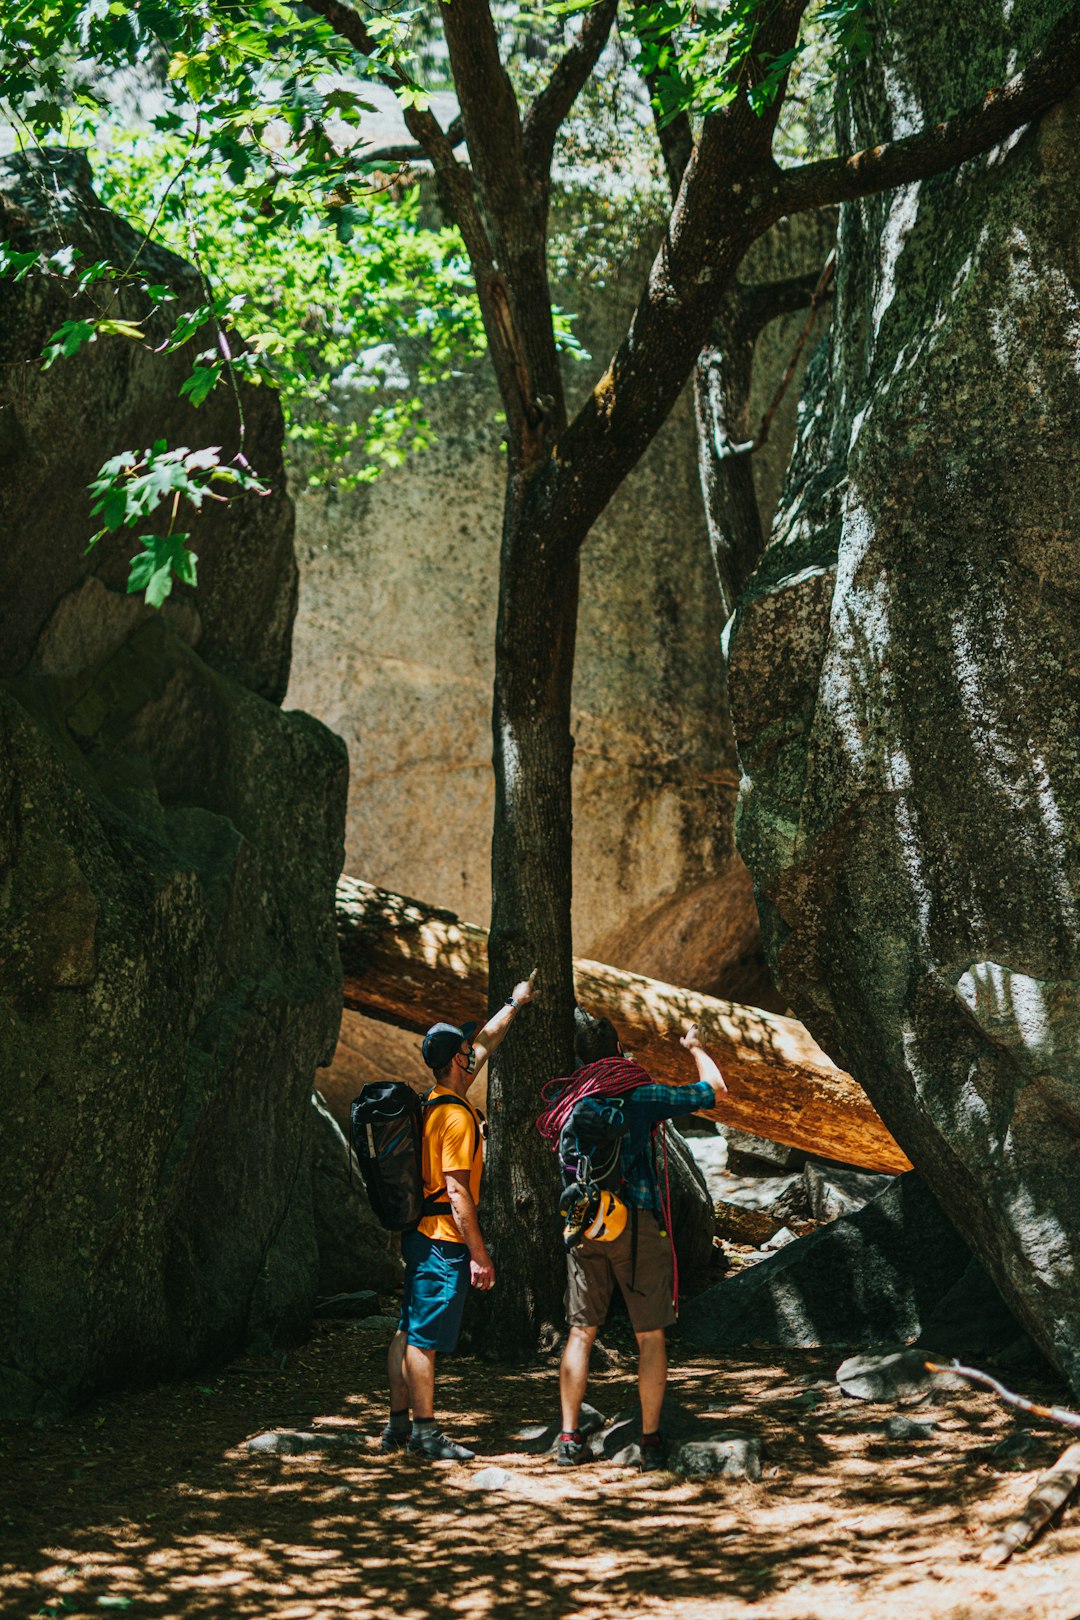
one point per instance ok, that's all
(609, 1220)
(596, 1214)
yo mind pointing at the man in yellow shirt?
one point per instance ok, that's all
(446, 1252)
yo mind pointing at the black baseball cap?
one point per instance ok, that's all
(442, 1041)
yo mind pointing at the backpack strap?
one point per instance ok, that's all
(439, 1202)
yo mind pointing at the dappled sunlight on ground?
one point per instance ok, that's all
(148, 1504)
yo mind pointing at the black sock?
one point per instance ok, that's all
(652, 1439)
(399, 1421)
(422, 1426)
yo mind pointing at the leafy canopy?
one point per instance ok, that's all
(253, 165)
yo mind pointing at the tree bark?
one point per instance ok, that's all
(531, 866)
(409, 964)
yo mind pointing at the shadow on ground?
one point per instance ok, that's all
(149, 1503)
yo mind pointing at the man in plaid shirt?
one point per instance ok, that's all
(640, 1258)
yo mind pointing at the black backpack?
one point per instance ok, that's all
(386, 1131)
(590, 1150)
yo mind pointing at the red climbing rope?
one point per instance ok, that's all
(603, 1079)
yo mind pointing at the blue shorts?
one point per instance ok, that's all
(436, 1288)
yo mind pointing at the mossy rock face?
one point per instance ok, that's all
(168, 984)
(169, 847)
(910, 808)
(58, 427)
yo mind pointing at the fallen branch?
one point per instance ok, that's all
(406, 963)
(1053, 1414)
(1052, 1489)
(1051, 1492)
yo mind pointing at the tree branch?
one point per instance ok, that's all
(1048, 78)
(725, 200)
(435, 142)
(545, 117)
(1053, 1414)
(455, 134)
(489, 108)
(769, 309)
(767, 301)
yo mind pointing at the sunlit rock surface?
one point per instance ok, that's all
(169, 845)
(905, 678)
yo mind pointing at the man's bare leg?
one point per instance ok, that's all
(419, 1368)
(574, 1374)
(652, 1377)
(395, 1372)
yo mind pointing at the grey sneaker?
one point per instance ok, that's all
(393, 1439)
(435, 1447)
(571, 1449)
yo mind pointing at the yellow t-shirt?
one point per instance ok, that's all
(449, 1134)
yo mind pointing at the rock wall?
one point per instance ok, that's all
(905, 680)
(169, 845)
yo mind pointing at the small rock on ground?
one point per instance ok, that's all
(539, 1438)
(491, 1479)
(896, 1375)
(291, 1442)
(737, 1456)
(899, 1427)
(1016, 1449)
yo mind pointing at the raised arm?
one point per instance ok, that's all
(488, 1038)
(706, 1067)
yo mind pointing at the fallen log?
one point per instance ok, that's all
(1052, 1491)
(406, 963)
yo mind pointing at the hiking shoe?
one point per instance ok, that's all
(435, 1447)
(653, 1452)
(393, 1439)
(571, 1449)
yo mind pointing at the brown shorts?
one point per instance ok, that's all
(594, 1268)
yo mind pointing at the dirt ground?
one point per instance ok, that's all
(148, 1503)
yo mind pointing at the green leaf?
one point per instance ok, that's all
(67, 340)
(152, 570)
(16, 265)
(201, 382)
(128, 329)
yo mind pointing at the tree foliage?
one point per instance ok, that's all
(348, 297)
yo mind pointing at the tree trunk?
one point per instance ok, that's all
(531, 865)
(407, 963)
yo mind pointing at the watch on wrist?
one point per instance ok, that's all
(510, 1002)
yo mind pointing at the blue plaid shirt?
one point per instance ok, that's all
(646, 1106)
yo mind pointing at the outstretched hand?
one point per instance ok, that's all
(528, 989)
(705, 1065)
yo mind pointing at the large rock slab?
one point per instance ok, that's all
(912, 782)
(868, 1278)
(169, 845)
